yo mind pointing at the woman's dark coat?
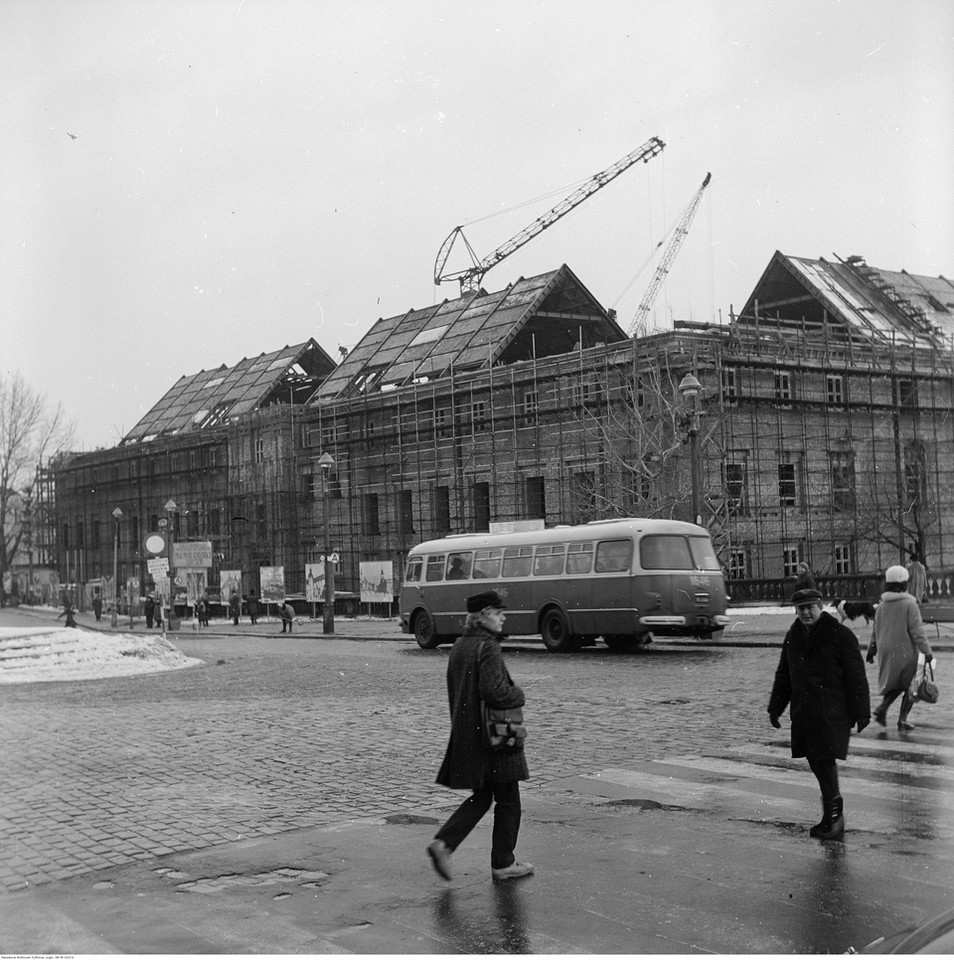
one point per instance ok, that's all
(475, 671)
(821, 674)
(805, 581)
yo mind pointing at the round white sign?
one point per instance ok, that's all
(155, 543)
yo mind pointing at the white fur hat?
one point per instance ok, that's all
(896, 574)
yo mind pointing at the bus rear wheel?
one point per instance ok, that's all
(425, 634)
(556, 631)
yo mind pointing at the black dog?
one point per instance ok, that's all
(852, 609)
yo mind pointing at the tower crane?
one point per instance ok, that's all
(471, 277)
(678, 236)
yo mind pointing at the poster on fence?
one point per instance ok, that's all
(273, 584)
(197, 581)
(377, 581)
(230, 581)
(315, 582)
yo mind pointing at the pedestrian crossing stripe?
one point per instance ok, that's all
(890, 786)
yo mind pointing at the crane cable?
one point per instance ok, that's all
(556, 191)
(666, 237)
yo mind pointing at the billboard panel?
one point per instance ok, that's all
(273, 584)
(377, 581)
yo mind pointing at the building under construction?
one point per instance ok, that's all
(822, 431)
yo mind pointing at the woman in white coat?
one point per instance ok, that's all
(897, 638)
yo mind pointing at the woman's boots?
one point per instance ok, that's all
(832, 826)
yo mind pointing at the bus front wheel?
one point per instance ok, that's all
(425, 634)
(556, 631)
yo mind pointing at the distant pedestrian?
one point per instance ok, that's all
(476, 671)
(202, 610)
(897, 638)
(252, 606)
(235, 608)
(157, 612)
(917, 577)
(98, 606)
(287, 614)
(149, 609)
(803, 578)
(67, 612)
(821, 676)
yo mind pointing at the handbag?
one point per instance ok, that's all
(927, 688)
(503, 727)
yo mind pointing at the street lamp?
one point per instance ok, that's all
(689, 387)
(326, 462)
(117, 516)
(171, 507)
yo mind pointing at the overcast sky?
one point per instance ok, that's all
(246, 174)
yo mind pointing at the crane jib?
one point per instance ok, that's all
(471, 277)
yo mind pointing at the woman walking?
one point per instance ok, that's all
(822, 676)
(803, 578)
(475, 672)
(897, 638)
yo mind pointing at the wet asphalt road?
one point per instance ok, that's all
(664, 813)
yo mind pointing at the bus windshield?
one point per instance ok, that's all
(676, 552)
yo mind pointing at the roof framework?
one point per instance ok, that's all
(533, 317)
(876, 304)
(211, 398)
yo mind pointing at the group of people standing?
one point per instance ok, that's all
(820, 678)
(152, 608)
(235, 607)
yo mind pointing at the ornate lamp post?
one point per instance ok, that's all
(326, 462)
(117, 516)
(171, 507)
(690, 387)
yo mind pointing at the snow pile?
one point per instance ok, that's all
(43, 653)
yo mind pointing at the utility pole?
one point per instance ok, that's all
(326, 462)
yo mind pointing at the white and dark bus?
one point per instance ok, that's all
(622, 580)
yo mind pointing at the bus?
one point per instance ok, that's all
(623, 580)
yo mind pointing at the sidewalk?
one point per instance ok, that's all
(751, 627)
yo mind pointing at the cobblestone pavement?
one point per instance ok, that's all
(277, 733)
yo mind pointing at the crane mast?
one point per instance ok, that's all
(678, 236)
(470, 278)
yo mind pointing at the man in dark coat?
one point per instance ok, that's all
(476, 671)
(235, 608)
(287, 614)
(822, 676)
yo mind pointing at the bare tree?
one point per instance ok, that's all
(640, 458)
(895, 502)
(30, 434)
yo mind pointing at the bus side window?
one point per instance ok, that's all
(517, 561)
(487, 564)
(614, 556)
(458, 566)
(579, 558)
(548, 560)
(413, 572)
(435, 568)
(665, 552)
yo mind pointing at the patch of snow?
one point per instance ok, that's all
(30, 654)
